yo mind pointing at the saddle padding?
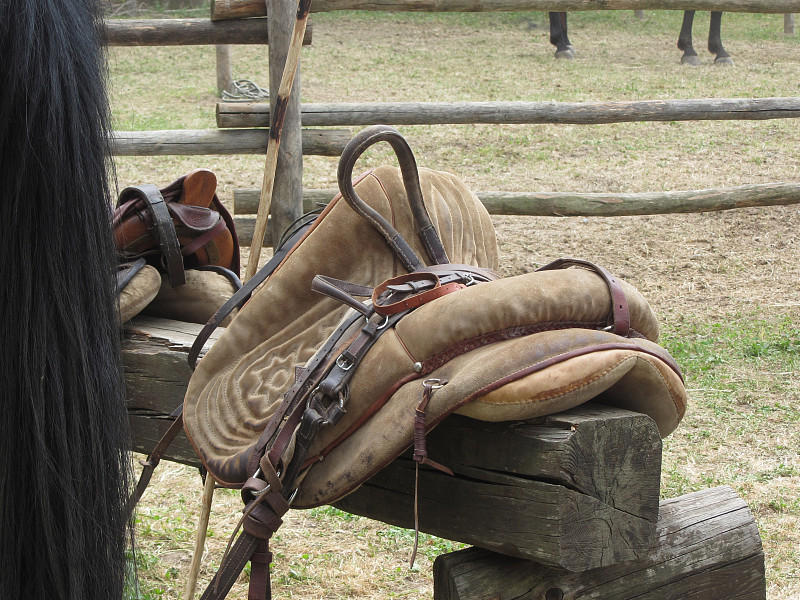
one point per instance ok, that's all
(139, 292)
(509, 349)
(196, 301)
(240, 382)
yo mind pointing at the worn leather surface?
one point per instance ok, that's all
(196, 301)
(510, 349)
(506, 355)
(139, 292)
(239, 382)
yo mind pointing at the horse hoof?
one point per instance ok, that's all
(724, 61)
(568, 54)
(691, 60)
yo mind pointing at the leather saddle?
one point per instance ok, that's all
(310, 390)
(184, 232)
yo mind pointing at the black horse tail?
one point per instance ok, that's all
(64, 469)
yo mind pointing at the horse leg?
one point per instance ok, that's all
(685, 40)
(715, 40)
(558, 35)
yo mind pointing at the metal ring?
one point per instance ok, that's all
(433, 383)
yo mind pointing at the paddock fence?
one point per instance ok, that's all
(242, 128)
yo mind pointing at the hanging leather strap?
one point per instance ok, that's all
(165, 228)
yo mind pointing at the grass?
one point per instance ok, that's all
(724, 285)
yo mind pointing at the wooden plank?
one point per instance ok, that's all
(154, 355)
(238, 9)
(213, 141)
(572, 204)
(256, 114)
(184, 32)
(532, 489)
(708, 548)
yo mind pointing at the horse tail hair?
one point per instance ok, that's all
(64, 466)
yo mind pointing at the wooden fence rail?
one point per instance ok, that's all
(571, 204)
(188, 142)
(237, 9)
(185, 32)
(253, 114)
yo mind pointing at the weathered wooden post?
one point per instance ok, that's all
(639, 14)
(788, 23)
(224, 69)
(288, 189)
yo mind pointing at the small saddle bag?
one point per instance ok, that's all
(310, 390)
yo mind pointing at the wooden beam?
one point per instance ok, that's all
(183, 32)
(154, 356)
(576, 490)
(533, 494)
(256, 114)
(575, 204)
(237, 9)
(708, 547)
(788, 23)
(213, 141)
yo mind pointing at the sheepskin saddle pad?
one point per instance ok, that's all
(310, 391)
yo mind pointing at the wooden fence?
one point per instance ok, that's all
(241, 127)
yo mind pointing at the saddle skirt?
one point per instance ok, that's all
(504, 349)
(240, 382)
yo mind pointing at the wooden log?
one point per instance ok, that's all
(575, 204)
(788, 23)
(213, 141)
(255, 114)
(245, 201)
(238, 9)
(576, 490)
(224, 68)
(154, 355)
(184, 32)
(708, 549)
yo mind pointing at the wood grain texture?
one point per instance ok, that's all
(256, 114)
(708, 547)
(573, 204)
(576, 490)
(186, 32)
(192, 142)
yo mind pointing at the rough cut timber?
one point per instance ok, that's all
(154, 355)
(536, 489)
(577, 490)
(182, 32)
(708, 549)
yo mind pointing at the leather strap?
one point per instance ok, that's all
(619, 320)
(127, 271)
(149, 465)
(424, 288)
(408, 166)
(165, 228)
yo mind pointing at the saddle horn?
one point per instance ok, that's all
(408, 167)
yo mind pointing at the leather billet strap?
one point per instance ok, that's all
(619, 320)
(165, 228)
(408, 167)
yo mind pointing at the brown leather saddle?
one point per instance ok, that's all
(311, 390)
(183, 231)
